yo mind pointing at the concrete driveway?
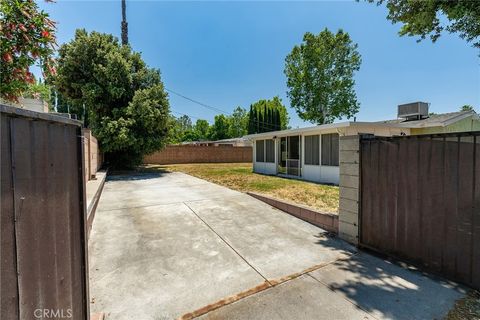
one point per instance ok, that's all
(170, 245)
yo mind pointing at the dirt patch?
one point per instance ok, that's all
(467, 308)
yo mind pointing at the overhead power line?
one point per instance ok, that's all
(214, 108)
(197, 102)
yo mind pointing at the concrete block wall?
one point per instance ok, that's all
(348, 223)
(199, 154)
(324, 220)
(92, 155)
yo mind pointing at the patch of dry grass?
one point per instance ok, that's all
(239, 176)
(467, 308)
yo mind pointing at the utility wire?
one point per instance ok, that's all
(271, 126)
(197, 102)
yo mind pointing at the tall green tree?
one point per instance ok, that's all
(284, 118)
(467, 107)
(429, 18)
(181, 129)
(220, 128)
(175, 132)
(201, 129)
(238, 123)
(267, 115)
(125, 101)
(320, 77)
(185, 123)
(190, 135)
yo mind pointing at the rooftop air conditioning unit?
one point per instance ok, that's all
(413, 111)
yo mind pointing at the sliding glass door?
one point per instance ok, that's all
(289, 156)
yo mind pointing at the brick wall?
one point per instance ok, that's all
(349, 188)
(327, 221)
(200, 154)
(92, 156)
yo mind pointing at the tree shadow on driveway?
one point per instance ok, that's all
(135, 175)
(386, 289)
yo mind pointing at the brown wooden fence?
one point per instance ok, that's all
(43, 245)
(420, 201)
(200, 154)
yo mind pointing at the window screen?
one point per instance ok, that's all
(269, 151)
(330, 149)
(260, 147)
(312, 150)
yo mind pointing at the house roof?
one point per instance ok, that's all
(241, 139)
(434, 120)
(314, 128)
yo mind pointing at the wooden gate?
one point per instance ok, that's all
(420, 201)
(43, 238)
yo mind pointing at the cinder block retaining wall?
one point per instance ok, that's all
(200, 154)
(327, 221)
(349, 188)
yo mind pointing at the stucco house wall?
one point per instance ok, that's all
(347, 174)
(319, 173)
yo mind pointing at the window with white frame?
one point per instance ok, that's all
(265, 150)
(270, 150)
(260, 150)
(330, 151)
(312, 150)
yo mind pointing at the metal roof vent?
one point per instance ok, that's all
(413, 111)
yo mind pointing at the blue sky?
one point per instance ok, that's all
(226, 54)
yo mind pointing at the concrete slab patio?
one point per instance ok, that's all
(166, 244)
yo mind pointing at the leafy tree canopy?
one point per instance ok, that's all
(238, 123)
(185, 123)
(224, 127)
(320, 77)
(38, 90)
(139, 129)
(175, 132)
(426, 18)
(201, 129)
(267, 115)
(125, 101)
(220, 128)
(467, 107)
(93, 69)
(27, 37)
(181, 129)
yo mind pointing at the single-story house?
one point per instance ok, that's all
(312, 153)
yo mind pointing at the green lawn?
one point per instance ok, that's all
(239, 176)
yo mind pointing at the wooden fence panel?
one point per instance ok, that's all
(45, 269)
(420, 201)
(9, 288)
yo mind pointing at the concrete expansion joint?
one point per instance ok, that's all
(228, 244)
(331, 288)
(159, 204)
(268, 284)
